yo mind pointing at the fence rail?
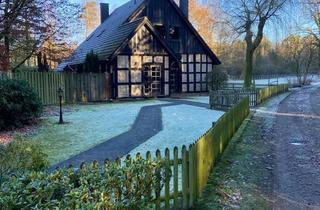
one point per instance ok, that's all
(236, 86)
(225, 99)
(263, 76)
(91, 87)
(268, 92)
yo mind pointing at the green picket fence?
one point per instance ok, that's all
(187, 169)
(268, 92)
(91, 87)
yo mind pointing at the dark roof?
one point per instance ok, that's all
(133, 27)
(212, 55)
(111, 34)
(108, 36)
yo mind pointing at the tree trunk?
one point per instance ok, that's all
(6, 34)
(249, 67)
(252, 45)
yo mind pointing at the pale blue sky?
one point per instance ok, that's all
(273, 31)
(113, 3)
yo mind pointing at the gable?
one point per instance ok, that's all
(168, 14)
(143, 42)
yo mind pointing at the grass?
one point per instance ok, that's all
(86, 127)
(241, 179)
(182, 125)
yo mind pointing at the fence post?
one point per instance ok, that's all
(175, 179)
(185, 176)
(167, 180)
(191, 176)
(158, 188)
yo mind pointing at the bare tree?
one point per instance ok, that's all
(313, 11)
(249, 18)
(25, 25)
(299, 54)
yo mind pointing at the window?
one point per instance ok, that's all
(191, 58)
(191, 67)
(204, 68)
(198, 58)
(204, 58)
(136, 76)
(184, 78)
(136, 62)
(191, 77)
(161, 30)
(184, 67)
(174, 32)
(123, 91)
(147, 59)
(123, 61)
(184, 58)
(198, 87)
(158, 59)
(123, 76)
(198, 67)
(198, 77)
(166, 62)
(184, 88)
(166, 78)
(191, 87)
(136, 90)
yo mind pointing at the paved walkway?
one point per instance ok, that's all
(147, 124)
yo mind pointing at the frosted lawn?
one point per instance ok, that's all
(87, 127)
(182, 125)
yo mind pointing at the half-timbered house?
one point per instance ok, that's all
(150, 49)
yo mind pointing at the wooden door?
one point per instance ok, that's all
(153, 81)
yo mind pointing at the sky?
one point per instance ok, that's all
(113, 3)
(275, 31)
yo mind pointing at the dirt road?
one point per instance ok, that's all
(275, 163)
(296, 139)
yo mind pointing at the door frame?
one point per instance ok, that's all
(147, 80)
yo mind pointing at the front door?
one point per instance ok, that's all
(152, 80)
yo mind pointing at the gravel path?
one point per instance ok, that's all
(296, 139)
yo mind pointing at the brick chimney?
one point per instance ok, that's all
(104, 11)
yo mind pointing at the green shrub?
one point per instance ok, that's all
(20, 156)
(19, 104)
(92, 187)
(216, 79)
(91, 63)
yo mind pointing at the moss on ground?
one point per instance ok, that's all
(242, 179)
